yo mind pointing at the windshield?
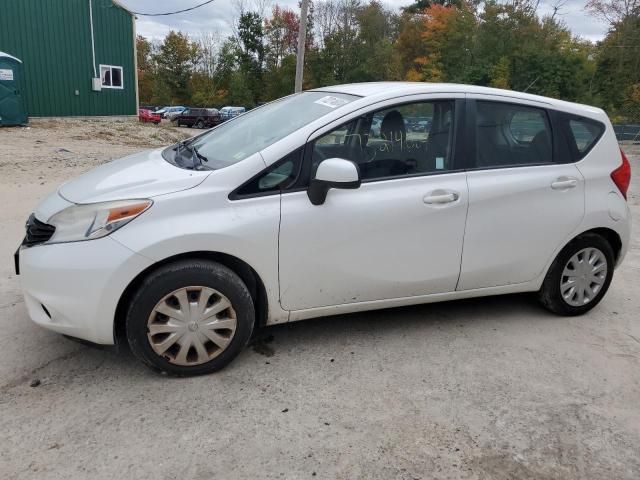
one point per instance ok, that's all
(237, 139)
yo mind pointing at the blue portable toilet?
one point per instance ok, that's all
(12, 111)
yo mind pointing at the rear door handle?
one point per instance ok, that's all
(562, 183)
(440, 198)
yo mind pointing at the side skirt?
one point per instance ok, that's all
(296, 315)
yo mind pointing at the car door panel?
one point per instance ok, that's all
(516, 221)
(399, 234)
(519, 211)
(378, 242)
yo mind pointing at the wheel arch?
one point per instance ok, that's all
(610, 235)
(248, 275)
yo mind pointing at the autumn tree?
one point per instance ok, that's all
(175, 60)
(145, 69)
(503, 43)
(281, 35)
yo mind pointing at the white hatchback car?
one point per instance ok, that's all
(297, 209)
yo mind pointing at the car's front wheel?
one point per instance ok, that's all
(579, 277)
(190, 317)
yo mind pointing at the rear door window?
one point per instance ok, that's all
(511, 135)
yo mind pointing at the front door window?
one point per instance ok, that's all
(403, 140)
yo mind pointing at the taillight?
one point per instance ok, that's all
(621, 176)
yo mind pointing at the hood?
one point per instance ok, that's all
(142, 175)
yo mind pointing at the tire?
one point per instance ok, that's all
(209, 284)
(200, 124)
(551, 292)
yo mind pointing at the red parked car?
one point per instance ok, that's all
(145, 115)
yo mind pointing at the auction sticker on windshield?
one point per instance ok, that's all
(331, 102)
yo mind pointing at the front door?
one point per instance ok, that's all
(398, 235)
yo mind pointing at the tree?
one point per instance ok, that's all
(618, 67)
(613, 11)
(281, 35)
(251, 55)
(146, 71)
(176, 60)
(504, 44)
(500, 74)
(419, 6)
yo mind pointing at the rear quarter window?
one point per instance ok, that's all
(582, 134)
(585, 134)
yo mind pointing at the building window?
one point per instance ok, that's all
(111, 76)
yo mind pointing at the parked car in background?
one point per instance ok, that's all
(198, 118)
(294, 210)
(147, 116)
(170, 110)
(161, 111)
(227, 113)
(423, 125)
(171, 116)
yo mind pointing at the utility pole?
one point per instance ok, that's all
(302, 42)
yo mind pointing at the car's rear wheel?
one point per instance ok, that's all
(200, 124)
(579, 277)
(190, 317)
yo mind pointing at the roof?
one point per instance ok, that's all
(6, 55)
(119, 4)
(392, 89)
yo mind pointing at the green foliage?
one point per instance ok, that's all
(502, 44)
(175, 62)
(500, 73)
(618, 68)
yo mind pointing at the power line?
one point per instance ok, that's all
(173, 13)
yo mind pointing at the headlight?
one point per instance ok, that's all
(94, 220)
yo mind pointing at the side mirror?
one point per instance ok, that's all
(332, 173)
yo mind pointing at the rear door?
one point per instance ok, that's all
(524, 201)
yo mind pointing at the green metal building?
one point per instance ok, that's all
(78, 56)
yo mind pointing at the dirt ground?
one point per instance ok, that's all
(492, 388)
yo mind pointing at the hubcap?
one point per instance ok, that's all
(191, 325)
(583, 277)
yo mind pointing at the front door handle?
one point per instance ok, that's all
(562, 183)
(440, 198)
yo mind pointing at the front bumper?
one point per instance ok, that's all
(74, 288)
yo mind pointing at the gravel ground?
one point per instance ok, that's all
(492, 388)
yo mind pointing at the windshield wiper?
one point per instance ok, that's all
(180, 145)
(196, 157)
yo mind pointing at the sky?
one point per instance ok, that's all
(219, 15)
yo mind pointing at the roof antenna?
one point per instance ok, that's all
(531, 84)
